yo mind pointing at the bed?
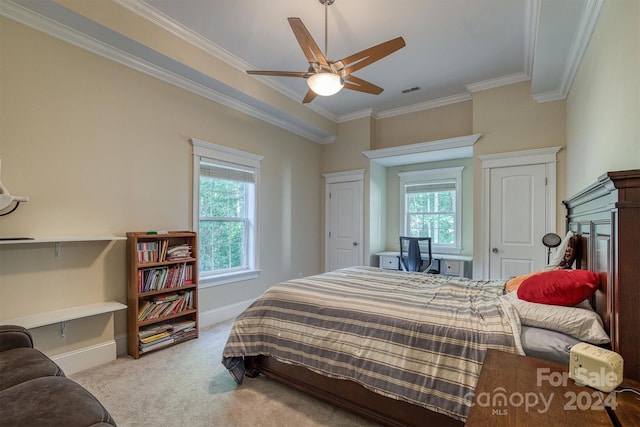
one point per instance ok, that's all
(371, 368)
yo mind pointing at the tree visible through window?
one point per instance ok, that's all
(223, 218)
(431, 212)
(431, 202)
(225, 213)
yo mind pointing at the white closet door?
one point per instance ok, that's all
(517, 220)
(345, 225)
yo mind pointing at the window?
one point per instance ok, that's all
(431, 207)
(225, 212)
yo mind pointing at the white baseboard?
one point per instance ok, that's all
(87, 357)
(207, 318)
(217, 315)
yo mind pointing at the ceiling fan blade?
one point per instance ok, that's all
(355, 83)
(371, 55)
(280, 73)
(310, 96)
(309, 47)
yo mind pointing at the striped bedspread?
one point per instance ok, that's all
(410, 336)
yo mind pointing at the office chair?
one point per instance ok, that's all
(411, 258)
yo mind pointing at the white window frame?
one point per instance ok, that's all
(434, 175)
(209, 152)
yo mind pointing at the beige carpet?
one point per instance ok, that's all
(186, 385)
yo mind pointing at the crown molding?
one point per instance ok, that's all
(158, 18)
(554, 95)
(585, 28)
(531, 20)
(586, 25)
(442, 149)
(454, 99)
(519, 158)
(497, 82)
(38, 22)
(356, 115)
(27, 17)
(161, 20)
(174, 27)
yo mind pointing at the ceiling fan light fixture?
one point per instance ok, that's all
(325, 84)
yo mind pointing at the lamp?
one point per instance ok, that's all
(551, 240)
(325, 84)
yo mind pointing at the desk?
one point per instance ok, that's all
(537, 394)
(450, 265)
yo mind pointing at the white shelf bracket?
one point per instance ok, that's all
(58, 249)
(63, 330)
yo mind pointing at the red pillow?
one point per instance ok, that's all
(559, 287)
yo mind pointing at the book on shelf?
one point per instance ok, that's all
(155, 345)
(155, 337)
(183, 325)
(171, 327)
(165, 305)
(155, 329)
(154, 251)
(165, 298)
(147, 251)
(156, 278)
(185, 335)
(179, 252)
(164, 245)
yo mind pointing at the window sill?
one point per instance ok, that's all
(446, 250)
(224, 279)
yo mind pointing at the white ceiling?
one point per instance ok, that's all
(453, 47)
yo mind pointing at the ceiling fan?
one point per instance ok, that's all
(325, 77)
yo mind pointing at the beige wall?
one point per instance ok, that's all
(510, 120)
(603, 107)
(101, 149)
(427, 125)
(345, 154)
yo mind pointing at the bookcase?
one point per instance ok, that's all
(162, 272)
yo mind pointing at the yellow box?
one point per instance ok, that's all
(596, 367)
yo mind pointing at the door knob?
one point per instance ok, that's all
(495, 250)
(355, 243)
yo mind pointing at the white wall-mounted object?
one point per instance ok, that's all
(7, 199)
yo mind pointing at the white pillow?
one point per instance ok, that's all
(579, 322)
(558, 255)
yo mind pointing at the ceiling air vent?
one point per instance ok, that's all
(411, 89)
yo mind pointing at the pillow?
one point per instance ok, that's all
(579, 323)
(558, 255)
(546, 344)
(559, 287)
(514, 283)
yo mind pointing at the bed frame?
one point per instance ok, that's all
(607, 215)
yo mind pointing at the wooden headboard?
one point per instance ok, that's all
(607, 215)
